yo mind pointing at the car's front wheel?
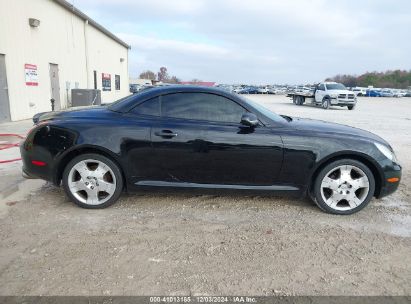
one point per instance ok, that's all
(92, 181)
(350, 107)
(344, 187)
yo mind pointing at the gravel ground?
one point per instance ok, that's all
(181, 243)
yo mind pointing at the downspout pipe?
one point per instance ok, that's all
(86, 53)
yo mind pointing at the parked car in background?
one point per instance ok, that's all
(237, 89)
(273, 91)
(386, 93)
(359, 91)
(225, 87)
(399, 93)
(262, 90)
(373, 93)
(249, 90)
(134, 88)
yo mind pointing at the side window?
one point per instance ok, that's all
(201, 106)
(150, 107)
(321, 87)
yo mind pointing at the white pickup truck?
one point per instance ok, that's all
(326, 94)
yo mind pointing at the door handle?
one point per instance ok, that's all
(165, 133)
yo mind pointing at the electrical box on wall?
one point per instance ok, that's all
(85, 97)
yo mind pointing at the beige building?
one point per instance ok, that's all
(47, 48)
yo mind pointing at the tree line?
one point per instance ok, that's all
(162, 75)
(396, 79)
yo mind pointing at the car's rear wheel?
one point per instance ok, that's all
(326, 103)
(344, 187)
(92, 181)
(300, 100)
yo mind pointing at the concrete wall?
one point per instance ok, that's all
(60, 39)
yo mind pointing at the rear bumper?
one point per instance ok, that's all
(27, 175)
(32, 171)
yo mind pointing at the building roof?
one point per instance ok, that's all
(83, 16)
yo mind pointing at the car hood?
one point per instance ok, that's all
(75, 112)
(324, 127)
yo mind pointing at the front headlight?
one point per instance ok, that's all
(333, 95)
(386, 151)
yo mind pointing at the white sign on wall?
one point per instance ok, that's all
(32, 78)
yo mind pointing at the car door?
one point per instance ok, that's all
(320, 92)
(140, 161)
(199, 139)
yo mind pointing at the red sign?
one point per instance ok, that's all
(30, 71)
(106, 81)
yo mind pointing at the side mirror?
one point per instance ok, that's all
(249, 120)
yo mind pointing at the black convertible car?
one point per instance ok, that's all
(196, 137)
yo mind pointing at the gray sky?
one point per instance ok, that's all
(260, 41)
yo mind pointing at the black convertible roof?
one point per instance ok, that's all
(125, 104)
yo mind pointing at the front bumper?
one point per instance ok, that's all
(392, 172)
(343, 102)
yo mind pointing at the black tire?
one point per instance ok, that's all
(108, 162)
(300, 100)
(350, 107)
(326, 103)
(316, 190)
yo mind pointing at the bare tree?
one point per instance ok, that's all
(162, 75)
(148, 75)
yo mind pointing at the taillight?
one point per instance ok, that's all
(38, 163)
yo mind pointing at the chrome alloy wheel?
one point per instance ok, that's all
(345, 187)
(92, 182)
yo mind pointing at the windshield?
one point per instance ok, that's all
(263, 110)
(335, 86)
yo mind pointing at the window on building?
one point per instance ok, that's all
(117, 82)
(201, 106)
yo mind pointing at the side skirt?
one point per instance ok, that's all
(214, 186)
